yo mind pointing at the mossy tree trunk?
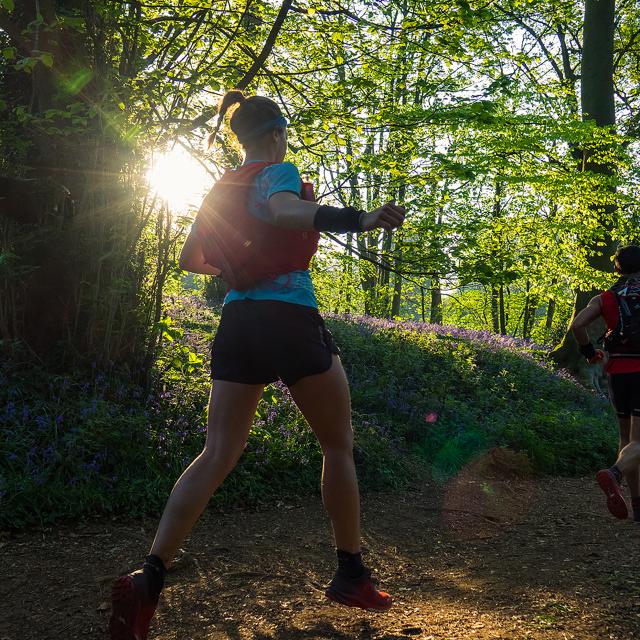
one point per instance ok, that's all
(597, 101)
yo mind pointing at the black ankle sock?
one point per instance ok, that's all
(617, 474)
(155, 570)
(350, 564)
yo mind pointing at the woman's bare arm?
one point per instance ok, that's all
(583, 319)
(290, 212)
(192, 258)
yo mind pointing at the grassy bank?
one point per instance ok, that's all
(426, 400)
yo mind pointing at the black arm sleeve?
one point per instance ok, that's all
(340, 220)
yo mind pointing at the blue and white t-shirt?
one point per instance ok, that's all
(294, 287)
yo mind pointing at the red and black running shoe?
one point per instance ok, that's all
(616, 503)
(358, 592)
(132, 607)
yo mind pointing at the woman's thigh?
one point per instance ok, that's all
(232, 407)
(325, 402)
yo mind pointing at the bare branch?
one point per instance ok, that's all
(268, 46)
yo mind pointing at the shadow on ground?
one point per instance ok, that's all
(482, 558)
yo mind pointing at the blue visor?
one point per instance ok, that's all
(277, 123)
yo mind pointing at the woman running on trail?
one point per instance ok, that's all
(255, 231)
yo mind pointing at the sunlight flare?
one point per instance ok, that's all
(179, 179)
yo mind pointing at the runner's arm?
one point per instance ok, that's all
(192, 258)
(290, 212)
(583, 319)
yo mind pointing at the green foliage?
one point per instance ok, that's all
(449, 394)
(423, 402)
(469, 113)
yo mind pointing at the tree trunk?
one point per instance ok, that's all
(367, 270)
(397, 264)
(551, 309)
(495, 316)
(435, 314)
(347, 273)
(503, 316)
(525, 314)
(397, 294)
(530, 305)
(597, 101)
(384, 274)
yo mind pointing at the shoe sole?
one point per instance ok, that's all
(346, 601)
(125, 610)
(615, 502)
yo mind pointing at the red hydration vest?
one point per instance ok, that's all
(244, 248)
(611, 316)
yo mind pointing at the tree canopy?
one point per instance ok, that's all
(509, 129)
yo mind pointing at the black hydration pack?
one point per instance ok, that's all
(624, 340)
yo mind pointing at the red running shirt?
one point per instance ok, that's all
(611, 316)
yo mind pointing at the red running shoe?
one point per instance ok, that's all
(616, 503)
(358, 592)
(131, 608)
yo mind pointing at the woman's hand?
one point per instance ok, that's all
(597, 358)
(388, 216)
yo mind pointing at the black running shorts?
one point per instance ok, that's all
(261, 341)
(624, 391)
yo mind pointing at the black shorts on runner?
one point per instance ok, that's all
(624, 392)
(261, 341)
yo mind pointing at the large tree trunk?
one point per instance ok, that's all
(597, 100)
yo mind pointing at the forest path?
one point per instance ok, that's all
(477, 559)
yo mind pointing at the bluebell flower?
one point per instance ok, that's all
(10, 409)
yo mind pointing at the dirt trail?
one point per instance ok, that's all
(479, 559)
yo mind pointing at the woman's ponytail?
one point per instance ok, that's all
(235, 96)
(255, 116)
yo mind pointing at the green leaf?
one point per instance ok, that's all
(9, 53)
(73, 22)
(9, 5)
(26, 64)
(78, 81)
(47, 59)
